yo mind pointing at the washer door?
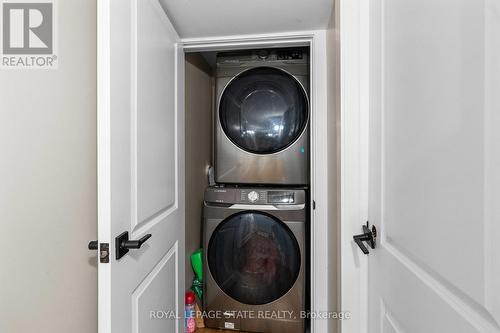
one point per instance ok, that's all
(253, 257)
(263, 110)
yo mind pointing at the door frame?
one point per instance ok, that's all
(353, 29)
(103, 156)
(316, 40)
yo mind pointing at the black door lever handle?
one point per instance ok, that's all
(123, 244)
(135, 244)
(368, 236)
(359, 241)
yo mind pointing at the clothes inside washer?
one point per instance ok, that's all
(265, 263)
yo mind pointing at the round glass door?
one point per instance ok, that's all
(253, 257)
(263, 110)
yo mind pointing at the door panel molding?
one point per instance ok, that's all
(141, 225)
(386, 316)
(475, 313)
(172, 254)
(144, 226)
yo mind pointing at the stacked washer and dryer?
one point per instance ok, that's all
(255, 218)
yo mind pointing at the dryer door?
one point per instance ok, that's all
(263, 110)
(253, 257)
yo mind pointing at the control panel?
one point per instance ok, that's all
(281, 197)
(289, 55)
(254, 196)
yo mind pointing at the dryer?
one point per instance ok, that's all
(254, 259)
(262, 117)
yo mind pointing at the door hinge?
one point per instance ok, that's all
(104, 253)
(314, 205)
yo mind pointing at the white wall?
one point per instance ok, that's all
(48, 278)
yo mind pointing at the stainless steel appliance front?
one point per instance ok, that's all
(262, 118)
(254, 243)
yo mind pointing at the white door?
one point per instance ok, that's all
(434, 180)
(140, 167)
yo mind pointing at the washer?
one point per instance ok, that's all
(262, 118)
(254, 260)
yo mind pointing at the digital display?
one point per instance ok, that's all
(280, 197)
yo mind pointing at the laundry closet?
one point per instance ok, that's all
(223, 144)
(247, 146)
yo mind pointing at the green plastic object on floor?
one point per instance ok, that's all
(197, 264)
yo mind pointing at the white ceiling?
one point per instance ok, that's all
(200, 18)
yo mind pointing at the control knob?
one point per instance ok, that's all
(253, 196)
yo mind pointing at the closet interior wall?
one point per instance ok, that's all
(199, 86)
